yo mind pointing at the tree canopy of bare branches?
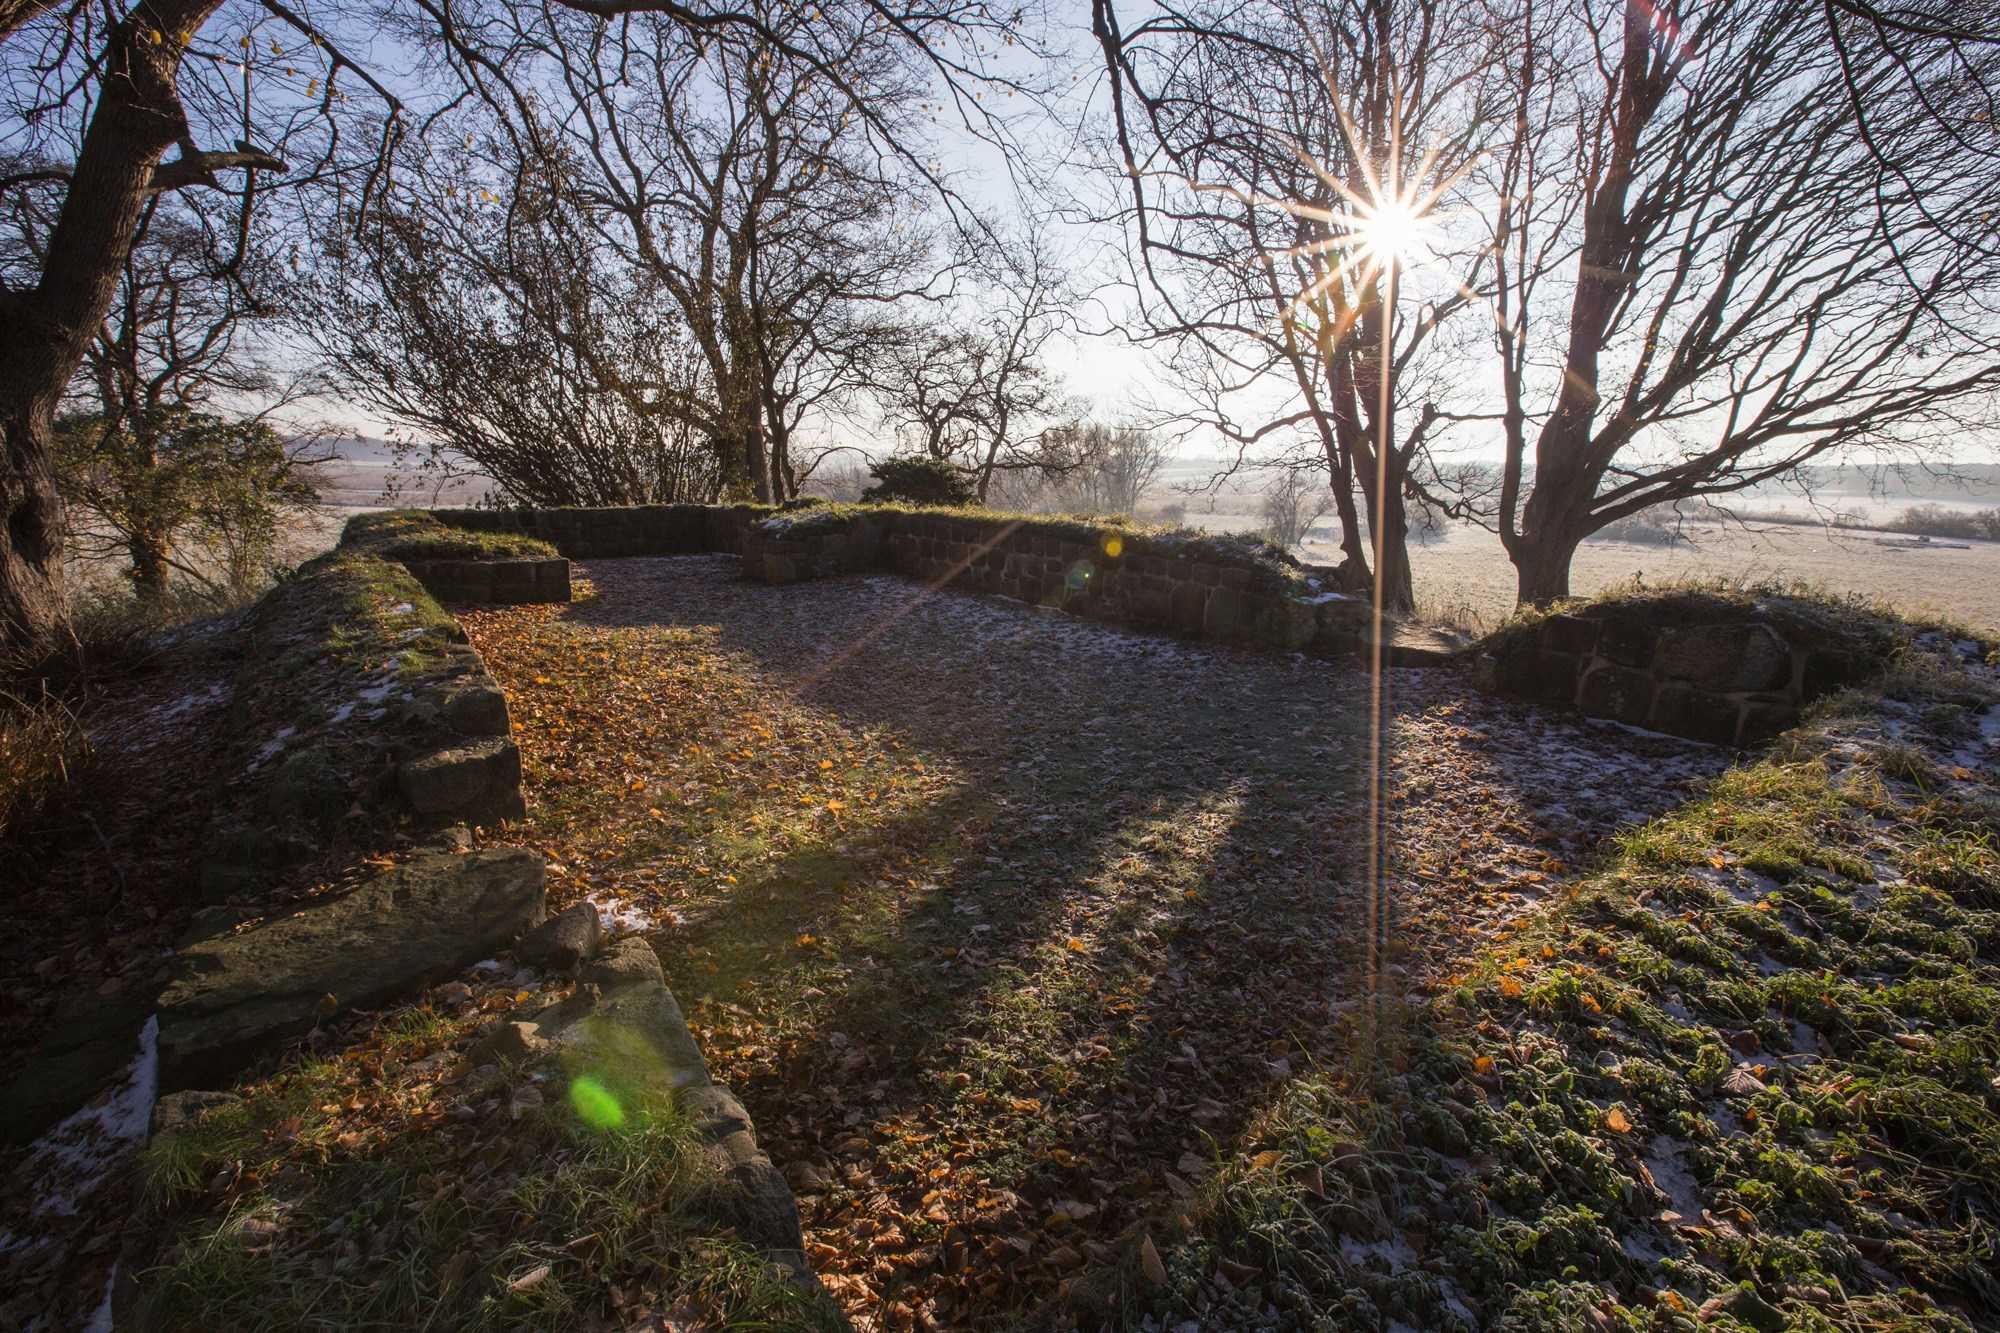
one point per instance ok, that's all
(1715, 269)
(244, 90)
(974, 387)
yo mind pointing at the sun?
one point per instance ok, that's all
(1393, 231)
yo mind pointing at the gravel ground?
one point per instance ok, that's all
(1006, 924)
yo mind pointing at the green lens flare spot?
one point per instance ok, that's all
(595, 1105)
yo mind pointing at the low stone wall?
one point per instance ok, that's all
(459, 563)
(1707, 667)
(1191, 587)
(506, 582)
(1195, 586)
(361, 709)
(584, 534)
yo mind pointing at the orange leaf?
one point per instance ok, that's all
(1510, 987)
(1617, 1122)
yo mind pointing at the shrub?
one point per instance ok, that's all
(1934, 520)
(1648, 527)
(40, 739)
(914, 479)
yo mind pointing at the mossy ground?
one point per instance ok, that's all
(1745, 1075)
(390, 1182)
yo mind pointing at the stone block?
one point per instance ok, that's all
(1724, 657)
(478, 782)
(552, 581)
(1539, 674)
(1627, 640)
(1679, 709)
(1287, 623)
(514, 581)
(1222, 616)
(1828, 670)
(1620, 693)
(1765, 718)
(1569, 634)
(238, 995)
(565, 941)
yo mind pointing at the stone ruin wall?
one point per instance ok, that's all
(1721, 672)
(1189, 587)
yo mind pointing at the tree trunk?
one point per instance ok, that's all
(150, 570)
(1541, 564)
(1392, 561)
(137, 118)
(32, 604)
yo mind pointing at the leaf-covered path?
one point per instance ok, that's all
(1007, 926)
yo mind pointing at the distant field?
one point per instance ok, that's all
(1469, 569)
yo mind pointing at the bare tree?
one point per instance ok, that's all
(495, 326)
(97, 95)
(1114, 467)
(1714, 269)
(976, 389)
(1280, 160)
(1293, 502)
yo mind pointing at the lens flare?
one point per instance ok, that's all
(596, 1105)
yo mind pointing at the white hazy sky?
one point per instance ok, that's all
(1098, 363)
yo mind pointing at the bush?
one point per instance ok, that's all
(914, 479)
(1937, 521)
(1648, 527)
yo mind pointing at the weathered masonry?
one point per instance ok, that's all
(1205, 587)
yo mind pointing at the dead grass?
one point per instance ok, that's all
(41, 742)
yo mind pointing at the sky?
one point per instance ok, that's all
(1099, 363)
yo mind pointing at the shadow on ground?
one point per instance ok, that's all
(998, 1021)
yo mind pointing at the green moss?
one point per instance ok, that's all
(413, 534)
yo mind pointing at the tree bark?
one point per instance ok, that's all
(49, 327)
(32, 602)
(1541, 564)
(151, 572)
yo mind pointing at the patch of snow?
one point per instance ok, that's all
(1670, 1174)
(1394, 1252)
(71, 1160)
(100, 1318)
(621, 916)
(271, 747)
